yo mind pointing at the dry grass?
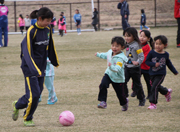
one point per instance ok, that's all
(76, 84)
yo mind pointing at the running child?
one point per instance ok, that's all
(65, 32)
(145, 38)
(77, 20)
(49, 83)
(114, 73)
(143, 20)
(135, 56)
(37, 45)
(61, 25)
(21, 23)
(157, 59)
(27, 22)
(3, 23)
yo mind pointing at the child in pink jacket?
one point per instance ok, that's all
(21, 23)
(61, 25)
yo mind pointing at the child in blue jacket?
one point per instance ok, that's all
(77, 20)
(49, 83)
(114, 73)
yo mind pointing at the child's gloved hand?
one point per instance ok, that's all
(95, 54)
(109, 64)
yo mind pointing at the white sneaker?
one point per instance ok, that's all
(148, 28)
(79, 33)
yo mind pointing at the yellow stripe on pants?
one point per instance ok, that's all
(30, 99)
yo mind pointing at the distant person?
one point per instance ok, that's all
(124, 11)
(157, 59)
(27, 22)
(21, 23)
(95, 19)
(77, 20)
(114, 73)
(143, 20)
(177, 16)
(61, 25)
(53, 23)
(3, 23)
(65, 32)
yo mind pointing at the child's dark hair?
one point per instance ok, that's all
(142, 11)
(119, 40)
(132, 31)
(95, 9)
(2, 1)
(162, 38)
(77, 11)
(148, 35)
(21, 16)
(61, 15)
(44, 12)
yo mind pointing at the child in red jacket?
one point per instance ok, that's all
(177, 16)
(145, 37)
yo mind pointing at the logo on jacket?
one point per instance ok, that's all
(45, 42)
(130, 56)
(3, 9)
(162, 62)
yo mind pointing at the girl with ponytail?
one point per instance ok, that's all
(37, 45)
(21, 23)
(145, 38)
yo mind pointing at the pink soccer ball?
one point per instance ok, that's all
(66, 118)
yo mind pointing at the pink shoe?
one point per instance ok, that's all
(168, 95)
(152, 106)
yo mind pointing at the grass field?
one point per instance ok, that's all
(76, 83)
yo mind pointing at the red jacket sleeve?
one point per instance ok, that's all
(177, 9)
(146, 49)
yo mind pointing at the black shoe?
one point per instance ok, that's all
(133, 94)
(142, 102)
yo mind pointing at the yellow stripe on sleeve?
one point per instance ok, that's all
(119, 64)
(35, 34)
(139, 51)
(30, 99)
(29, 47)
(55, 50)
